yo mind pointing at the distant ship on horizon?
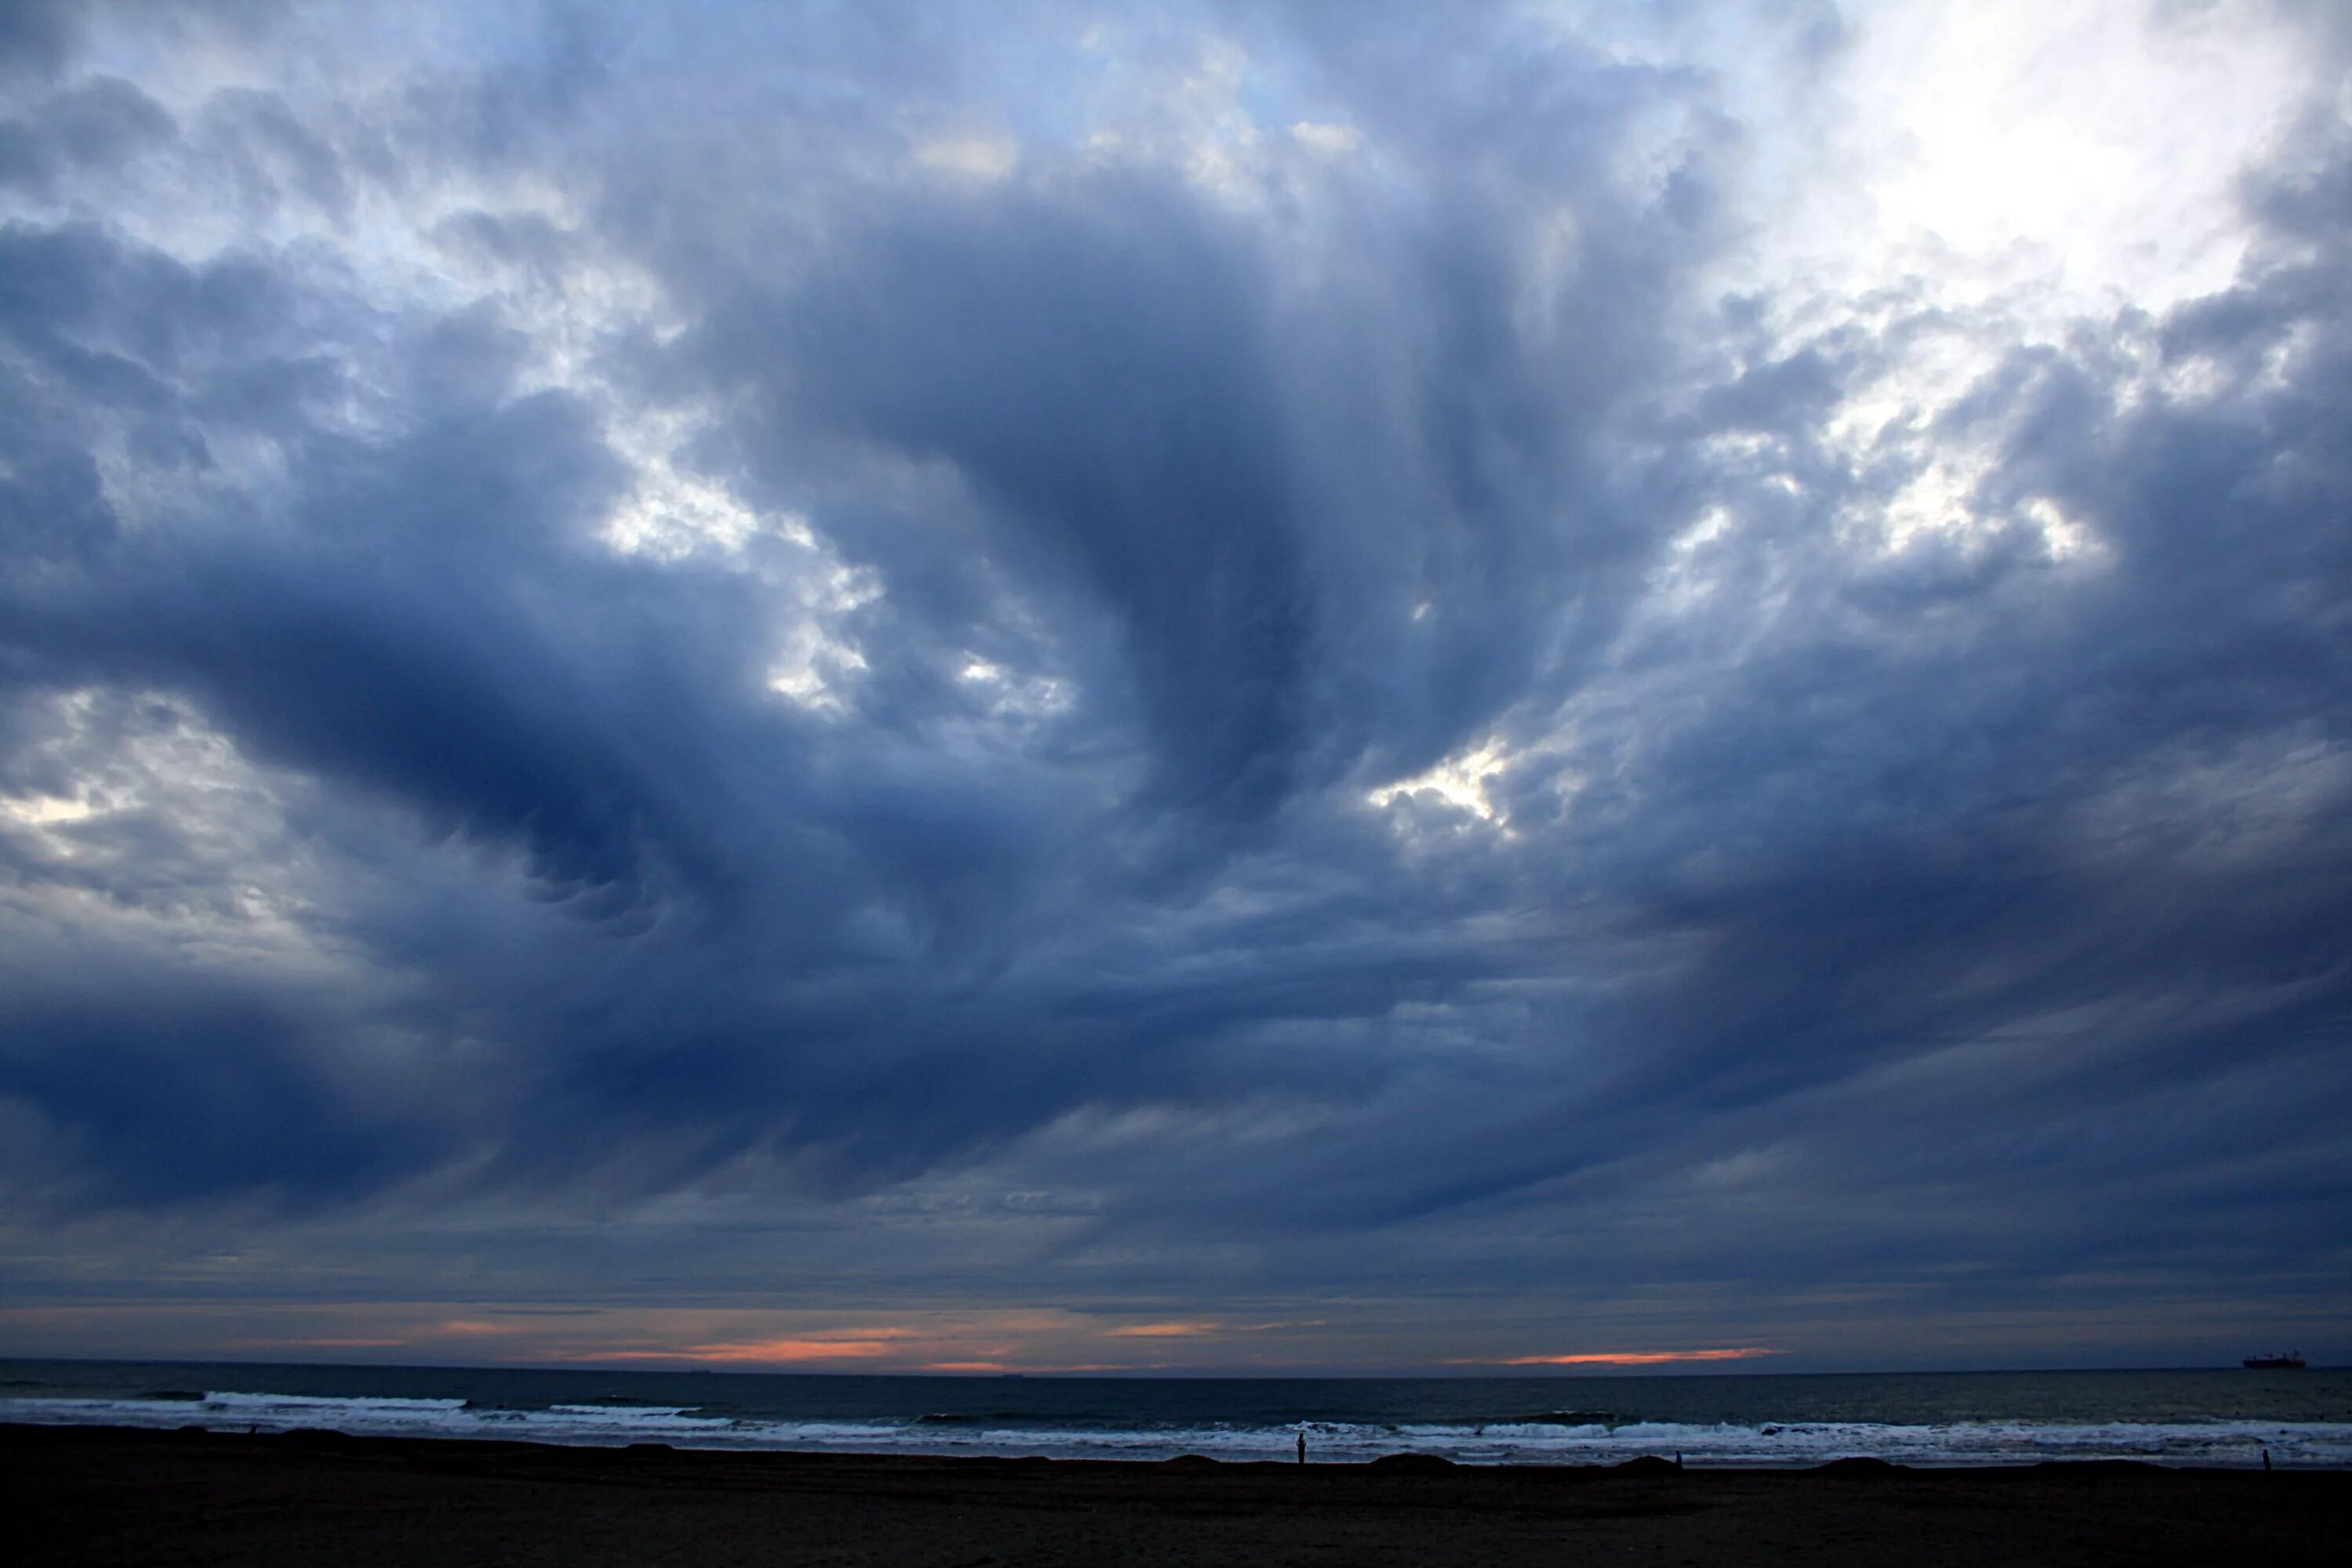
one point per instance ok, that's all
(2290, 1361)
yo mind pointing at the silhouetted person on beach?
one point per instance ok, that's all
(1302, 1447)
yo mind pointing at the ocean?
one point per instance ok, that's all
(2301, 1419)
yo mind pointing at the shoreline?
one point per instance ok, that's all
(1663, 1458)
(106, 1495)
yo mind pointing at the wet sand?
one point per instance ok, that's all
(97, 1496)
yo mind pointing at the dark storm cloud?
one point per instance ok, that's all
(1941, 883)
(177, 1096)
(1333, 531)
(1097, 370)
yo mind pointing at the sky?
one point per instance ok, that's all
(1177, 687)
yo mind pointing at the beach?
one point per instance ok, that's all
(109, 1496)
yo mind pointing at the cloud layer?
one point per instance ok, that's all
(1514, 686)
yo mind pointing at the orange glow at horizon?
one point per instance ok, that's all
(780, 1350)
(1193, 1328)
(1629, 1358)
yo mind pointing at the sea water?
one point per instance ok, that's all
(2299, 1419)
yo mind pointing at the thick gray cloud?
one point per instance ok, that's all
(1234, 659)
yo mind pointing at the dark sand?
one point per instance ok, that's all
(83, 1495)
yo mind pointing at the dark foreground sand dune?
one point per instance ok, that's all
(99, 1497)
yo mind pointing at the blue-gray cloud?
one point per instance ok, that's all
(1820, 910)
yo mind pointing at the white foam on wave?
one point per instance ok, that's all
(1787, 1444)
(393, 1408)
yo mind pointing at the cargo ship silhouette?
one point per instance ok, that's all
(2290, 1361)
